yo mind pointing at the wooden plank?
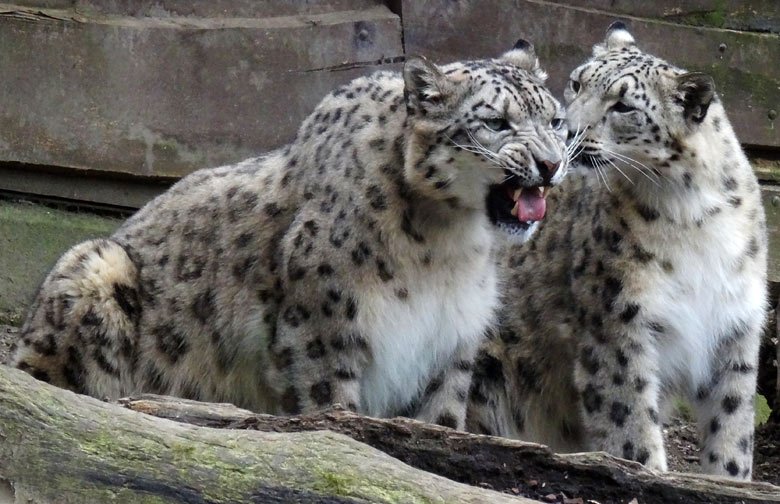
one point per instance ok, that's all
(767, 169)
(220, 8)
(564, 35)
(164, 96)
(85, 187)
(770, 195)
(751, 15)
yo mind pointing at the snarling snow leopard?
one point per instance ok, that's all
(355, 265)
(647, 280)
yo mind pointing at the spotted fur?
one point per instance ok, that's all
(630, 295)
(354, 265)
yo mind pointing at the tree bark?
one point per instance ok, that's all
(56, 446)
(59, 447)
(525, 468)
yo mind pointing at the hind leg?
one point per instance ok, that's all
(80, 331)
(488, 410)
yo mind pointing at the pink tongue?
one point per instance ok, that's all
(531, 206)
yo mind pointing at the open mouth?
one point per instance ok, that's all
(511, 205)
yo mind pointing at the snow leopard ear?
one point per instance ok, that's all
(695, 91)
(426, 88)
(524, 56)
(617, 38)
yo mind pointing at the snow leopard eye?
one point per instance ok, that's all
(496, 124)
(622, 108)
(575, 86)
(556, 124)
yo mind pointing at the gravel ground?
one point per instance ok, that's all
(682, 452)
(7, 336)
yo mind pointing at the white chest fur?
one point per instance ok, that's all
(702, 301)
(413, 339)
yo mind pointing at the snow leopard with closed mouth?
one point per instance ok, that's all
(355, 265)
(647, 280)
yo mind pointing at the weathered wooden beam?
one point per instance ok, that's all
(770, 196)
(58, 447)
(564, 33)
(210, 8)
(529, 468)
(162, 95)
(751, 15)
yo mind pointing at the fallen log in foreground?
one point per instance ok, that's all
(526, 468)
(59, 447)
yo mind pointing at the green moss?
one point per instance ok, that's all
(683, 409)
(32, 237)
(762, 89)
(109, 442)
(182, 450)
(714, 18)
(763, 411)
(12, 317)
(345, 485)
(35, 215)
(333, 484)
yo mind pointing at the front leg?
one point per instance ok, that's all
(444, 399)
(724, 406)
(489, 410)
(616, 377)
(321, 363)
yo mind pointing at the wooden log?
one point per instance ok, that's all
(59, 447)
(56, 446)
(531, 469)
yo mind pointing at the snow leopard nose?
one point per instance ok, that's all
(547, 169)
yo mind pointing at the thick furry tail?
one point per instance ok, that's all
(80, 332)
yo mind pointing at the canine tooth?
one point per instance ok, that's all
(513, 213)
(517, 194)
(545, 190)
(540, 191)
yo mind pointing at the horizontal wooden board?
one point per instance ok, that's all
(203, 8)
(87, 188)
(745, 71)
(771, 199)
(750, 15)
(165, 96)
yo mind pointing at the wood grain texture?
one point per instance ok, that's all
(161, 96)
(58, 447)
(564, 31)
(499, 463)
